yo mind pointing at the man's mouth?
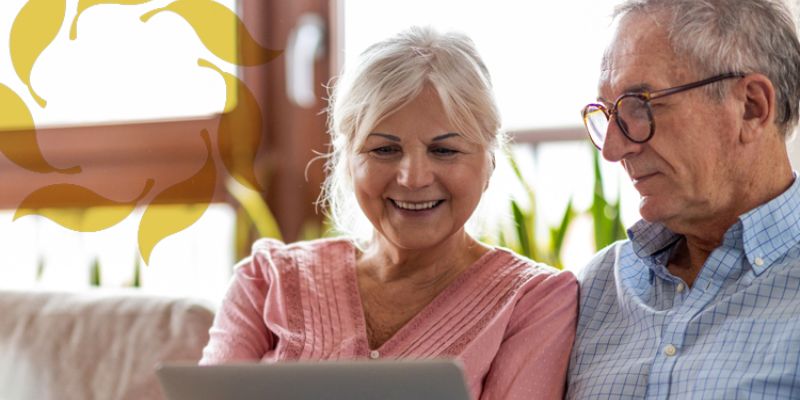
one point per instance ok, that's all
(640, 178)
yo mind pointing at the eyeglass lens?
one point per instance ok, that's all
(633, 117)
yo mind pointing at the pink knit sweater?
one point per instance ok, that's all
(509, 321)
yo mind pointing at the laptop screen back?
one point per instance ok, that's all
(390, 380)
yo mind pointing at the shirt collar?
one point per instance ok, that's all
(649, 238)
(771, 229)
(767, 231)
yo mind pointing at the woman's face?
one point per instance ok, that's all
(417, 178)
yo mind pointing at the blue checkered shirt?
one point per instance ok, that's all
(735, 334)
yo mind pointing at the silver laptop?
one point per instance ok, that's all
(339, 380)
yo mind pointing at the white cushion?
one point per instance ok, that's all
(94, 345)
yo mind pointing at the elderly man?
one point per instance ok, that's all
(696, 99)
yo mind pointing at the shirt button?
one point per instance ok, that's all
(679, 287)
(374, 354)
(759, 261)
(670, 350)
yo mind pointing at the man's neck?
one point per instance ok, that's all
(688, 259)
(702, 237)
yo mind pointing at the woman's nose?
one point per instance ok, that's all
(415, 172)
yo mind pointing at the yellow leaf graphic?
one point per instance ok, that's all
(161, 221)
(103, 213)
(36, 25)
(218, 27)
(239, 132)
(19, 143)
(84, 4)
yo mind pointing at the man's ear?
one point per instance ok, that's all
(759, 112)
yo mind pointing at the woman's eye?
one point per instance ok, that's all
(444, 152)
(384, 151)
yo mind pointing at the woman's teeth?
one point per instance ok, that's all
(416, 206)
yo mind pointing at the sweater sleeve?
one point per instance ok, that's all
(239, 332)
(532, 360)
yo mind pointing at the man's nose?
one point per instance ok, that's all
(616, 145)
(415, 172)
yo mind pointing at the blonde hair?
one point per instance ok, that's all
(392, 73)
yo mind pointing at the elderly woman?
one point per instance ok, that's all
(414, 130)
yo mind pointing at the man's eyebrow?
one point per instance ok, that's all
(637, 88)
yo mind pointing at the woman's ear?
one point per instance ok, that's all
(759, 110)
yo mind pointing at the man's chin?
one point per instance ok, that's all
(654, 209)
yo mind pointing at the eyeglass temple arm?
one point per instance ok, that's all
(688, 86)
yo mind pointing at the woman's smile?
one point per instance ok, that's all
(416, 208)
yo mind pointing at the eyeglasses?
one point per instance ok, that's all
(633, 113)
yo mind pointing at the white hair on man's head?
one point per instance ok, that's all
(719, 36)
(390, 74)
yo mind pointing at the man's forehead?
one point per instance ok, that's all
(639, 56)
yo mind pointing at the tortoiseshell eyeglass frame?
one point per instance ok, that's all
(599, 137)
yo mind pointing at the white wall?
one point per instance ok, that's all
(794, 152)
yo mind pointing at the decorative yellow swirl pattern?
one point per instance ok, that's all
(84, 4)
(161, 221)
(20, 144)
(106, 214)
(239, 132)
(218, 28)
(35, 27)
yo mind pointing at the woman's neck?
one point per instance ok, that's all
(385, 262)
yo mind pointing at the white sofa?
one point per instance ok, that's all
(96, 345)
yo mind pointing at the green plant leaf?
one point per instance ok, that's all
(606, 216)
(94, 272)
(522, 229)
(557, 235)
(136, 281)
(530, 216)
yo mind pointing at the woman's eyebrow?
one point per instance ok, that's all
(397, 139)
(445, 136)
(386, 136)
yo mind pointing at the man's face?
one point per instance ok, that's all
(687, 172)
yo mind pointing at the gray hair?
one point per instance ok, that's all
(719, 36)
(392, 73)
